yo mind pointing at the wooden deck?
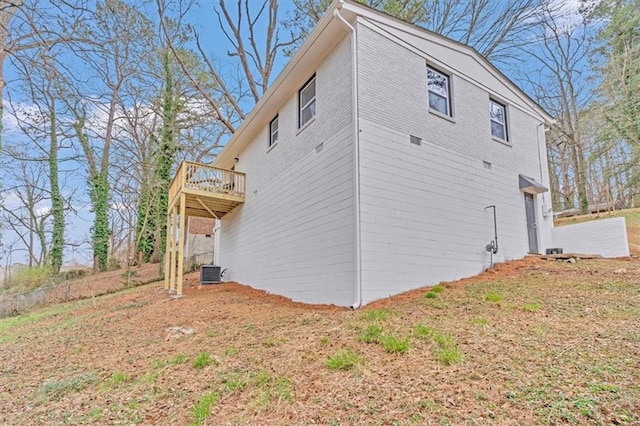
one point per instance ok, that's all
(196, 190)
(208, 191)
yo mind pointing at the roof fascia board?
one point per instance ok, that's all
(239, 140)
(371, 15)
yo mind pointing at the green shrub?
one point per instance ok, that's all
(28, 278)
(430, 295)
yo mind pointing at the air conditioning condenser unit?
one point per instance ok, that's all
(210, 274)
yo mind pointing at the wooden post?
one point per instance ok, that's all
(167, 250)
(181, 236)
(172, 257)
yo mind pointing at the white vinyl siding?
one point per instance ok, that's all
(439, 88)
(307, 102)
(498, 115)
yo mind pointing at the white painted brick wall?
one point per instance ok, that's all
(423, 216)
(423, 213)
(294, 235)
(606, 237)
(333, 106)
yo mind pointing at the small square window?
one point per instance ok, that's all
(498, 114)
(439, 91)
(307, 102)
(273, 131)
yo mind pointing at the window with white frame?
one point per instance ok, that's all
(273, 131)
(498, 113)
(439, 91)
(307, 102)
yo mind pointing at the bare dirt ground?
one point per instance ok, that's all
(532, 342)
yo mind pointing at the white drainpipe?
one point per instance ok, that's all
(356, 156)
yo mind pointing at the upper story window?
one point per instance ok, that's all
(307, 102)
(273, 131)
(439, 91)
(498, 120)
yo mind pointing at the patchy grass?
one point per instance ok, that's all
(430, 295)
(56, 389)
(202, 410)
(493, 297)
(344, 360)
(119, 378)
(371, 334)
(531, 307)
(447, 351)
(378, 314)
(395, 344)
(202, 360)
(560, 348)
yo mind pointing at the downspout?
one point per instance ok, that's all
(356, 156)
(544, 204)
(216, 242)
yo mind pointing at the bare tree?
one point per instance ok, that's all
(496, 29)
(33, 24)
(561, 50)
(255, 39)
(27, 215)
(120, 35)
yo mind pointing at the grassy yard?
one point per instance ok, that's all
(533, 342)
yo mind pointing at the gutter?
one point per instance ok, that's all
(356, 156)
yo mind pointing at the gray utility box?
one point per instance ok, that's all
(209, 274)
(555, 250)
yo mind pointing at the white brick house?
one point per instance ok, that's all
(371, 161)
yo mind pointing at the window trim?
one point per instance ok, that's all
(449, 97)
(506, 120)
(271, 131)
(301, 107)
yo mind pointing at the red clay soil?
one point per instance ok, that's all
(499, 270)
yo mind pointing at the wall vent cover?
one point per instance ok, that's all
(415, 140)
(209, 274)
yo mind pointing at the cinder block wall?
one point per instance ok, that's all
(606, 237)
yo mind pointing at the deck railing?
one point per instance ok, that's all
(207, 178)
